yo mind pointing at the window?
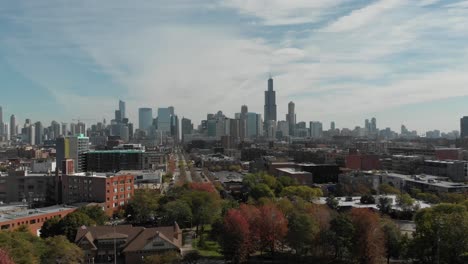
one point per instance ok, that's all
(122, 189)
(115, 189)
(114, 183)
(128, 195)
(122, 196)
(122, 182)
(129, 187)
(115, 197)
(122, 203)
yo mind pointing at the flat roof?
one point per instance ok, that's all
(124, 151)
(424, 179)
(293, 171)
(12, 212)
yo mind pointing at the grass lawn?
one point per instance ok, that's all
(211, 248)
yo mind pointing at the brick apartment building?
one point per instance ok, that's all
(114, 191)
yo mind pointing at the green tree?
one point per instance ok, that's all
(261, 190)
(142, 208)
(51, 227)
(441, 234)
(302, 231)
(341, 235)
(71, 222)
(388, 189)
(367, 199)
(22, 246)
(393, 239)
(95, 212)
(287, 181)
(305, 192)
(177, 211)
(405, 202)
(205, 206)
(332, 202)
(60, 250)
(384, 205)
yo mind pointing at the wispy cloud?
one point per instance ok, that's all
(207, 56)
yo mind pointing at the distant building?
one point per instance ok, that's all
(145, 118)
(270, 103)
(114, 160)
(187, 127)
(164, 120)
(363, 162)
(122, 110)
(72, 147)
(291, 118)
(464, 127)
(316, 130)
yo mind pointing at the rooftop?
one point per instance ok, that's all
(293, 171)
(15, 211)
(120, 151)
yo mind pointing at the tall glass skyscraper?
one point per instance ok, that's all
(164, 120)
(145, 118)
(122, 110)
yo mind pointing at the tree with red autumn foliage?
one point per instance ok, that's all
(236, 243)
(202, 186)
(252, 215)
(5, 257)
(273, 227)
(369, 242)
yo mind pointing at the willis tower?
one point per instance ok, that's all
(270, 104)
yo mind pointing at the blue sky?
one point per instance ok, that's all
(402, 61)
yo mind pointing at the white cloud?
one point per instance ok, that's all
(362, 17)
(284, 12)
(461, 4)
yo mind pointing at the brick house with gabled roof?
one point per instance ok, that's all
(132, 244)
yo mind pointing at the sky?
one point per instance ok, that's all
(401, 61)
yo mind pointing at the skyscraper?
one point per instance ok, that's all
(464, 127)
(252, 125)
(12, 126)
(373, 125)
(332, 125)
(291, 118)
(1, 123)
(270, 103)
(243, 122)
(164, 120)
(316, 129)
(123, 114)
(187, 127)
(145, 118)
(39, 133)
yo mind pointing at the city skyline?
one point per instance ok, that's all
(407, 65)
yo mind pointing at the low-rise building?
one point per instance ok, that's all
(302, 177)
(16, 215)
(115, 191)
(132, 244)
(456, 170)
(425, 183)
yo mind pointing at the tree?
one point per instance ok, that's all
(142, 208)
(393, 239)
(95, 212)
(441, 234)
(261, 190)
(177, 211)
(384, 205)
(60, 250)
(51, 227)
(5, 257)
(273, 227)
(305, 192)
(253, 217)
(205, 207)
(202, 186)
(302, 231)
(405, 202)
(341, 235)
(367, 199)
(388, 189)
(235, 240)
(332, 202)
(71, 222)
(369, 240)
(287, 181)
(22, 246)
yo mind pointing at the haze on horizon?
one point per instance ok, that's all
(403, 62)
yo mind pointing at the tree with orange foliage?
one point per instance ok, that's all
(369, 242)
(252, 215)
(273, 227)
(202, 186)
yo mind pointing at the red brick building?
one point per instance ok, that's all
(113, 190)
(363, 162)
(14, 216)
(448, 154)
